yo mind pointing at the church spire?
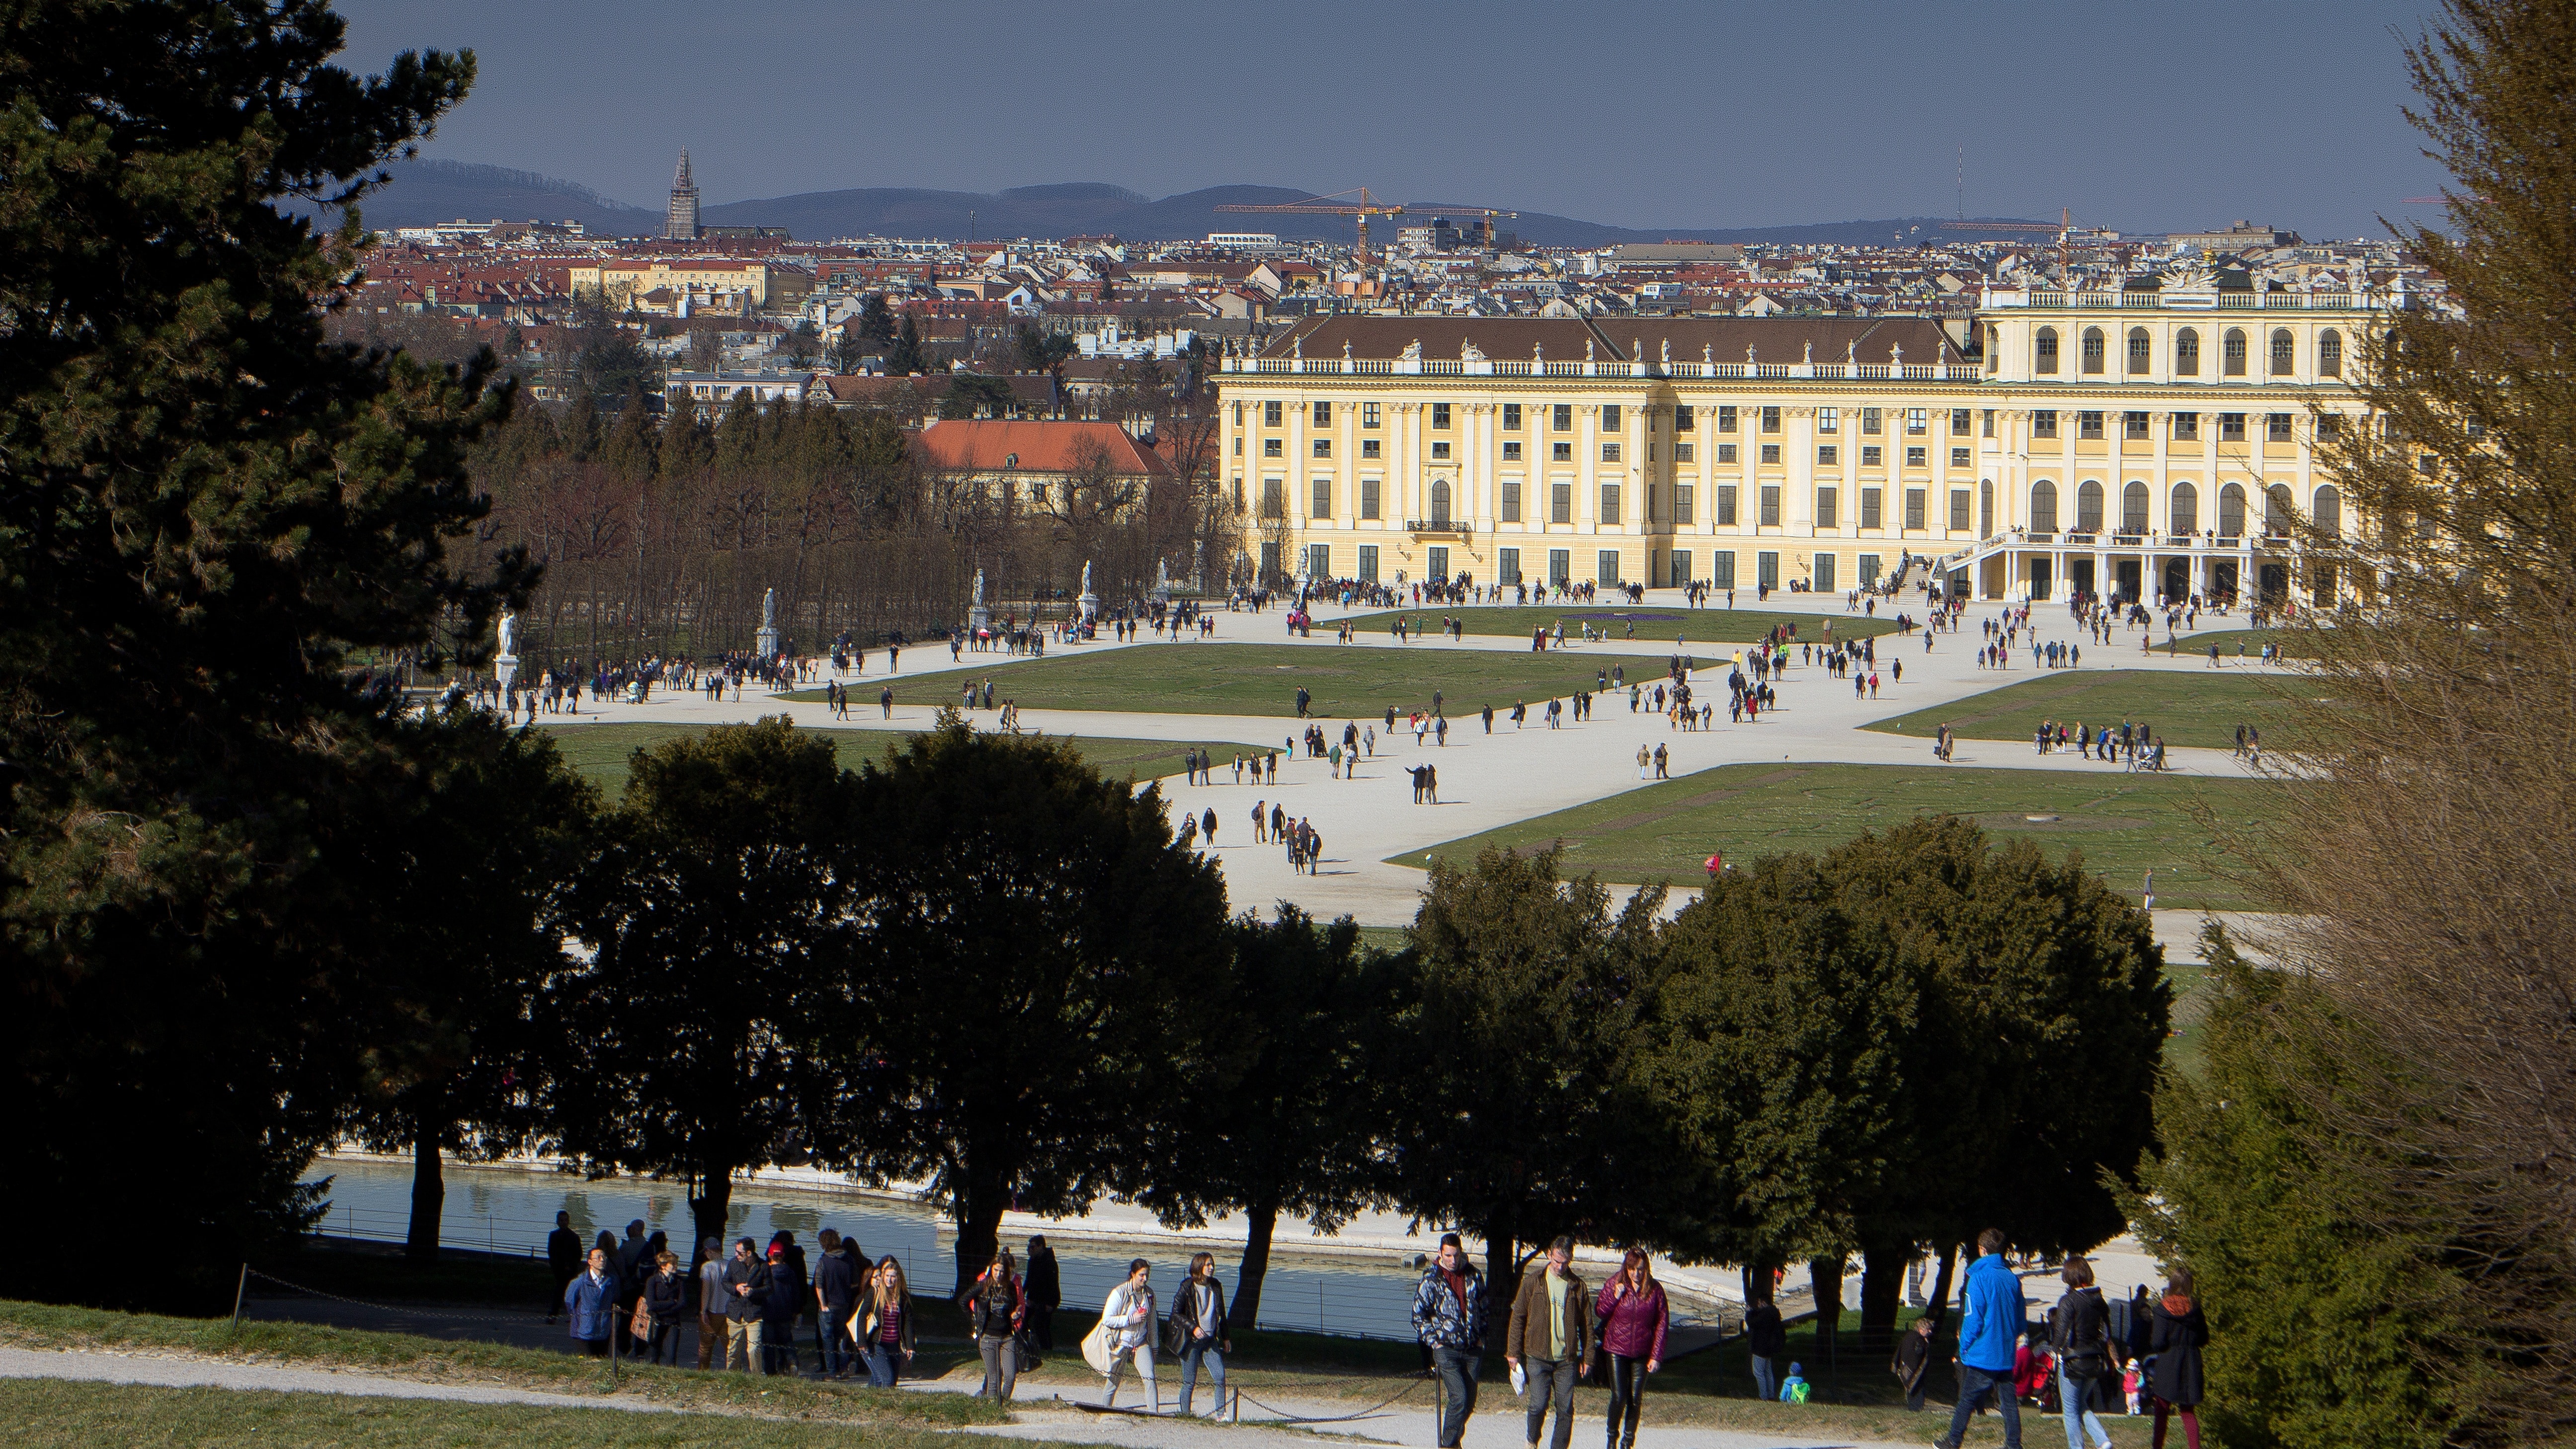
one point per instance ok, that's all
(681, 224)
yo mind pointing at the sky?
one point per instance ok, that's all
(2141, 117)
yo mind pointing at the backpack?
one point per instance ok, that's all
(1798, 1392)
(2083, 1336)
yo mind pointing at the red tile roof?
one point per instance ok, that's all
(984, 445)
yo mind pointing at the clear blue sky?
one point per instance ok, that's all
(2144, 117)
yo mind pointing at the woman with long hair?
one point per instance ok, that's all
(883, 1326)
(1198, 1321)
(1634, 1315)
(2080, 1332)
(2175, 1341)
(1127, 1323)
(995, 1309)
(666, 1303)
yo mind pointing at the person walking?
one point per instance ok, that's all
(666, 1306)
(746, 1297)
(1766, 1339)
(778, 1315)
(1044, 1287)
(711, 1300)
(590, 1302)
(1634, 1315)
(996, 1306)
(1198, 1326)
(2080, 1336)
(836, 1296)
(563, 1245)
(1558, 1346)
(1449, 1320)
(1988, 1331)
(885, 1324)
(1127, 1324)
(2174, 1342)
(1913, 1359)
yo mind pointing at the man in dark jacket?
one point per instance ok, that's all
(1551, 1328)
(563, 1260)
(1768, 1341)
(1044, 1289)
(746, 1285)
(836, 1292)
(1449, 1319)
(1914, 1358)
(778, 1319)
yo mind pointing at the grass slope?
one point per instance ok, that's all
(2182, 707)
(600, 751)
(1738, 626)
(2125, 824)
(1262, 679)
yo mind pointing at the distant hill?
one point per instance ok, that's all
(426, 192)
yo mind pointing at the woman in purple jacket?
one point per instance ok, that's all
(1633, 1317)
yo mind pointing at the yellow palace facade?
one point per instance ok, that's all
(2134, 444)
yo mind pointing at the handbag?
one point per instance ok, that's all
(642, 1327)
(1096, 1351)
(1027, 1352)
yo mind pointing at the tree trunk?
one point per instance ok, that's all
(1245, 1310)
(1827, 1276)
(1882, 1292)
(979, 1229)
(1940, 1303)
(428, 1189)
(711, 1209)
(1501, 1283)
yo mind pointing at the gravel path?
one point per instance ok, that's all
(181, 1373)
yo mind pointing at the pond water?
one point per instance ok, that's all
(510, 1210)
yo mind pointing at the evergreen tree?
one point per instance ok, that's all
(905, 358)
(207, 512)
(876, 323)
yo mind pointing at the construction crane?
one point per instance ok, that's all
(1367, 206)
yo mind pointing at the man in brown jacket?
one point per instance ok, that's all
(1552, 1329)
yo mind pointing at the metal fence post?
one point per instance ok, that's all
(240, 1288)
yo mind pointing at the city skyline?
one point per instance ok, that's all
(2202, 121)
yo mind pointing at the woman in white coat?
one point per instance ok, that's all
(1127, 1327)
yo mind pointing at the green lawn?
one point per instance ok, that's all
(2294, 641)
(2182, 707)
(601, 751)
(1737, 626)
(2125, 824)
(1262, 679)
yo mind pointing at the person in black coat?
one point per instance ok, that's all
(1044, 1290)
(1768, 1340)
(778, 1314)
(2176, 1339)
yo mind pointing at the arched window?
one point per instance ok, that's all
(2133, 508)
(2330, 353)
(2140, 349)
(2231, 511)
(2285, 352)
(2088, 506)
(2329, 512)
(2043, 507)
(2044, 351)
(1986, 509)
(2232, 353)
(2276, 511)
(1440, 500)
(2187, 352)
(1994, 347)
(2092, 349)
(2186, 510)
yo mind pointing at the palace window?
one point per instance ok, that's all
(1918, 421)
(1914, 457)
(2043, 423)
(1770, 506)
(2088, 506)
(2285, 352)
(1368, 497)
(1771, 453)
(1869, 422)
(2277, 429)
(1323, 498)
(2092, 349)
(2133, 507)
(1609, 503)
(1368, 415)
(1273, 448)
(1829, 420)
(2329, 427)
(1914, 508)
(1683, 496)
(1609, 452)
(2088, 424)
(2187, 353)
(2330, 353)
(1726, 452)
(1872, 456)
(1323, 415)
(1682, 452)
(1725, 505)
(1440, 416)
(1827, 455)
(2133, 425)
(1770, 420)
(1512, 451)
(2232, 353)
(1270, 414)
(1323, 447)
(2329, 510)
(1869, 510)
(1560, 503)
(1958, 510)
(2231, 427)
(1685, 417)
(1561, 452)
(2141, 350)
(1511, 500)
(1368, 447)
(1958, 422)
(1825, 514)
(1726, 418)
(1958, 457)
(1511, 417)
(2186, 429)
(1561, 418)
(1609, 417)
(2043, 507)
(2186, 509)
(1439, 450)
(2044, 349)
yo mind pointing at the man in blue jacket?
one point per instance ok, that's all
(1989, 1330)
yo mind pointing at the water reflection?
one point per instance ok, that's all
(511, 1210)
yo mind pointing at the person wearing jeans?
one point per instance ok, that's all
(2080, 1332)
(1449, 1319)
(1551, 1328)
(1198, 1321)
(1767, 1340)
(1988, 1330)
(885, 1323)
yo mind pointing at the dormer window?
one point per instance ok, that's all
(1010, 460)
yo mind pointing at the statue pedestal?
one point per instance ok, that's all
(1089, 604)
(979, 618)
(765, 643)
(505, 669)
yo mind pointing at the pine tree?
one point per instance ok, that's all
(206, 515)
